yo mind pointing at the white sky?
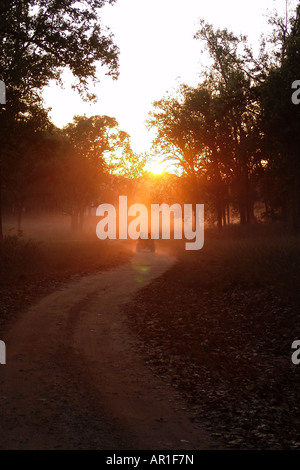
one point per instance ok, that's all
(157, 52)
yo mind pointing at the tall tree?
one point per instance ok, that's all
(39, 39)
(234, 85)
(95, 150)
(280, 119)
(185, 134)
(27, 168)
(82, 173)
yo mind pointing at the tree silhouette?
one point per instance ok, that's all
(280, 121)
(39, 39)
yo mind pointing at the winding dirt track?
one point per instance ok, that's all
(73, 379)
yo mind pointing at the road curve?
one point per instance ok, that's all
(73, 379)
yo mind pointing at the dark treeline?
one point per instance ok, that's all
(235, 136)
(43, 168)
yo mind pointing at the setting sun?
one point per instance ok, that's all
(156, 168)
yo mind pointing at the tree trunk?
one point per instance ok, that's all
(219, 212)
(242, 211)
(250, 213)
(19, 219)
(228, 212)
(74, 222)
(224, 212)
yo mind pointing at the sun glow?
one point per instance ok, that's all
(156, 168)
(165, 59)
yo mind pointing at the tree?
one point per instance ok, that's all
(185, 134)
(39, 39)
(212, 130)
(94, 150)
(77, 184)
(234, 84)
(280, 119)
(83, 165)
(27, 171)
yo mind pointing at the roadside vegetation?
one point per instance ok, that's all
(30, 269)
(219, 328)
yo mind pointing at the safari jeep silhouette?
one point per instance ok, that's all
(146, 244)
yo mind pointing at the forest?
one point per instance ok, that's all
(104, 346)
(232, 141)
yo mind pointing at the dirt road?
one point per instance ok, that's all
(73, 379)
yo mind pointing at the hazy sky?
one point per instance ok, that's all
(157, 52)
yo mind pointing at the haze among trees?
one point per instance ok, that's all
(234, 138)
